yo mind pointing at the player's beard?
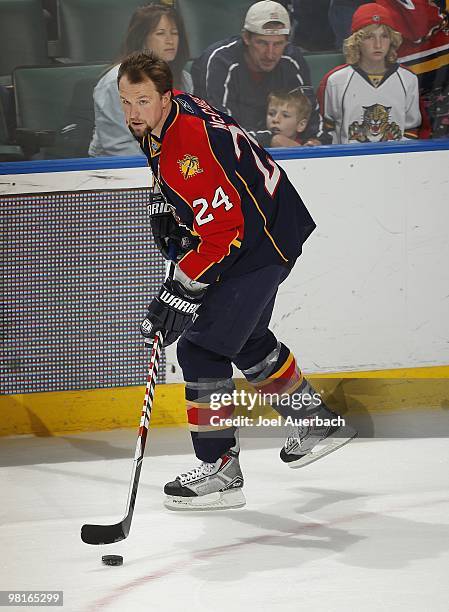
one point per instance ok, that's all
(147, 132)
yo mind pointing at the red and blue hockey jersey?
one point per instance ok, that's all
(424, 25)
(228, 190)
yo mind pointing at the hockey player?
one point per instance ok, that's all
(424, 25)
(250, 225)
(371, 98)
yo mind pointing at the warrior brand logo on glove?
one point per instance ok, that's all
(177, 303)
(158, 208)
(158, 205)
(146, 325)
(167, 229)
(171, 311)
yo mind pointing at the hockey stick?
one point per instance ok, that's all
(107, 534)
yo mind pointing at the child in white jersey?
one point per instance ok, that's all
(371, 98)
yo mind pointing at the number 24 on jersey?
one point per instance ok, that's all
(220, 199)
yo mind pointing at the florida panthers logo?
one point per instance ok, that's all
(375, 126)
(189, 166)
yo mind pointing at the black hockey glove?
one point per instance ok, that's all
(166, 231)
(170, 311)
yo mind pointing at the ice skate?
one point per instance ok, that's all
(209, 486)
(306, 444)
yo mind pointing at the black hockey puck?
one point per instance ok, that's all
(112, 560)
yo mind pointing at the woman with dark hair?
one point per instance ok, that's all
(156, 27)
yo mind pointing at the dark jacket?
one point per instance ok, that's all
(221, 76)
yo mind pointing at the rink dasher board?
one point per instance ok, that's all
(375, 262)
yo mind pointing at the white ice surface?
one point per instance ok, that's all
(364, 529)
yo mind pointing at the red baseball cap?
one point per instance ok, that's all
(372, 14)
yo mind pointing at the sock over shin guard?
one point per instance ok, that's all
(205, 411)
(207, 376)
(278, 379)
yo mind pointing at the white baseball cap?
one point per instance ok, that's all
(264, 12)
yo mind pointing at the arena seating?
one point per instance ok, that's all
(93, 30)
(51, 94)
(8, 151)
(51, 98)
(207, 22)
(321, 63)
(23, 38)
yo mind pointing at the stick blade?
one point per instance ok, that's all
(104, 534)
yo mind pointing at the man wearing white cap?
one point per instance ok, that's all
(236, 75)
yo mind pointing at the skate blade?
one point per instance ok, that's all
(232, 498)
(330, 445)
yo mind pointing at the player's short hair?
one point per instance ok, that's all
(143, 65)
(296, 98)
(351, 46)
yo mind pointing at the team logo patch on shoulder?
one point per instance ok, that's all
(189, 166)
(186, 106)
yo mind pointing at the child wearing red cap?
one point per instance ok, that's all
(371, 98)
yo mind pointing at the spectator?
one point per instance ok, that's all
(155, 27)
(236, 75)
(287, 117)
(424, 26)
(372, 98)
(340, 18)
